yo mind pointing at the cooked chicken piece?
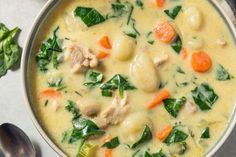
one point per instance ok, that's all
(55, 106)
(190, 108)
(159, 60)
(89, 108)
(79, 58)
(221, 42)
(115, 113)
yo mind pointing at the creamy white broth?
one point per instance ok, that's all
(56, 120)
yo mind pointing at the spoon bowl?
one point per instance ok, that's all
(14, 142)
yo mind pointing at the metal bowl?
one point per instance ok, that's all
(221, 6)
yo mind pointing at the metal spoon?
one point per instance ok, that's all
(14, 142)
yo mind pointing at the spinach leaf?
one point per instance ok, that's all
(173, 106)
(146, 136)
(49, 53)
(159, 154)
(89, 16)
(113, 143)
(206, 133)
(177, 44)
(172, 13)
(204, 96)
(134, 32)
(57, 83)
(180, 70)
(65, 136)
(71, 107)
(132, 35)
(139, 3)
(9, 49)
(93, 78)
(150, 38)
(175, 136)
(117, 82)
(184, 148)
(118, 10)
(222, 74)
(131, 9)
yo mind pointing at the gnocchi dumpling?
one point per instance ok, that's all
(132, 127)
(123, 47)
(144, 73)
(194, 17)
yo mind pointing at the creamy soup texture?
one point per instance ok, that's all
(149, 78)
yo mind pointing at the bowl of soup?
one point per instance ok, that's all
(122, 78)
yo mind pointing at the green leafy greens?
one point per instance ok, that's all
(9, 49)
(89, 16)
(206, 133)
(116, 82)
(173, 106)
(93, 78)
(175, 136)
(204, 96)
(113, 143)
(173, 13)
(222, 74)
(146, 136)
(49, 52)
(139, 3)
(159, 154)
(177, 44)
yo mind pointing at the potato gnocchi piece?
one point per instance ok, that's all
(194, 18)
(144, 65)
(123, 47)
(133, 126)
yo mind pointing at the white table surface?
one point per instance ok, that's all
(12, 106)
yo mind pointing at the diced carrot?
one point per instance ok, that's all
(164, 133)
(108, 153)
(102, 55)
(200, 61)
(162, 95)
(107, 138)
(160, 3)
(165, 32)
(184, 53)
(51, 93)
(104, 42)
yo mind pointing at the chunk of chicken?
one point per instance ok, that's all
(221, 42)
(89, 108)
(79, 58)
(115, 113)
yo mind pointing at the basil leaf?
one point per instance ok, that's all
(112, 144)
(49, 52)
(146, 136)
(117, 82)
(175, 136)
(222, 74)
(173, 106)
(139, 3)
(177, 45)
(89, 16)
(9, 49)
(204, 96)
(206, 133)
(172, 13)
(93, 78)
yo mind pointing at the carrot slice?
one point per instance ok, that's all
(165, 32)
(164, 133)
(160, 3)
(108, 153)
(184, 53)
(104, 42)
(162, 95)
(51, 93)
(102, 55)
(200, 61)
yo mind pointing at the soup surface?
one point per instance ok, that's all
(133, 78)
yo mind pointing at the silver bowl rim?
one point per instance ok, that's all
(47, 8)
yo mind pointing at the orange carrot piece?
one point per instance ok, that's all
(201, 62)
(51, 93)
(104, 42)
(184, 53)
(164, 133)
(162, 95)
(160, 3)
(108, 153)
(102, 55)
(165, 32)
